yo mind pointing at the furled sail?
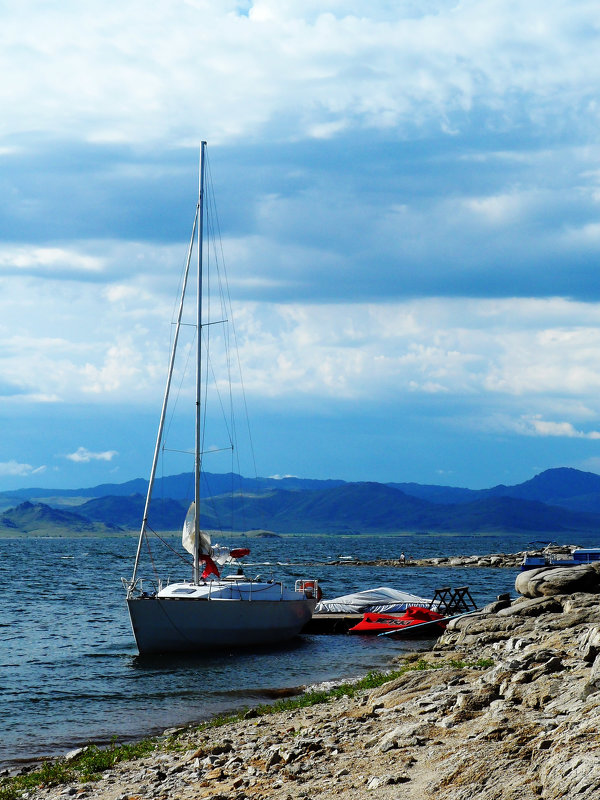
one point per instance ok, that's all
(187, 537)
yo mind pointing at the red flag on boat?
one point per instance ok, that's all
(239, 553)
(210, 566)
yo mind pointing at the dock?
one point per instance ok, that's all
(331, 623)
(449, 601)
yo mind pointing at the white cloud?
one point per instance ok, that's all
(47, 260)
(536, 426)
(15, 469)
(548, 360)
(102, 261)
(526, 351)
(452, 153)
(135, 72)
(83, 456)
(494, 354)
(120, 366)
(497, 209)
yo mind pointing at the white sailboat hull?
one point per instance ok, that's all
(194, 625)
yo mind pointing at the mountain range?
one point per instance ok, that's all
(555, 501)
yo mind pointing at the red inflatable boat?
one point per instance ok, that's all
(413, 617)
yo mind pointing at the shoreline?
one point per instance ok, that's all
(268, 696)
(25, 743)
(503, 707)
(492, 560)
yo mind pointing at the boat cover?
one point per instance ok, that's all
(378, 600)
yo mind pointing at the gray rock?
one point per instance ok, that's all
(496, 605)
(531, 607)
(580, 600)
(561, 622)
(273, 758)
(589, 644)
(523, 578)
(594, 679)
(558, 580)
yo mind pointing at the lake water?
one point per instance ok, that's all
(69, 670)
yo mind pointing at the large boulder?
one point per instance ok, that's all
(523, 578)
(532, 607)
(551, 581)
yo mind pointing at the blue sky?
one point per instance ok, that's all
(409, 195)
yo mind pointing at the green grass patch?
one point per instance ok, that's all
(316, 697)
(88, 765)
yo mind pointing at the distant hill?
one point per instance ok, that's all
(555, 501)
(508, 514)
(353, 508)
(350, 508)
(562, 486)
(176, 487)
(444, 495)
(165, 514)
(39, 519)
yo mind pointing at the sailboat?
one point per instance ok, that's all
(209, 610)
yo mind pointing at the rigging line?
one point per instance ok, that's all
(160, 432)
(212, 259)
(178, 393)
(210, 501)
(221, 271)
(232, 514)
(156, 575)
(220, 398)
(205, 336)
(226, 303)
(227, 307)
(173, 405)
(176, 297)
(184, 372)
(172, 549)
(227, 298)
(215, 322)
(216, 238)
(205, 402)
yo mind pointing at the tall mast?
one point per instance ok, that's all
(163, 412)
(198, 450)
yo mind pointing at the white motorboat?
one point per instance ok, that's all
(209, 611)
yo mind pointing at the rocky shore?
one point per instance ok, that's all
(508, 560)
(504, 707)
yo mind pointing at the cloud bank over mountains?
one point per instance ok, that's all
(409, 196)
